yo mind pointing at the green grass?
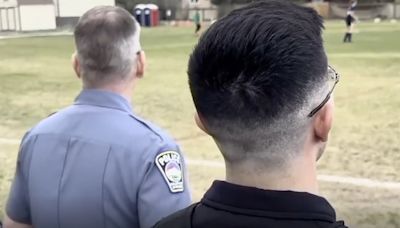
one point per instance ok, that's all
(36, 79)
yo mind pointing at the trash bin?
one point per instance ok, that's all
(147, 16)
(139, 13)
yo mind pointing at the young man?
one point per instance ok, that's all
(262, 88)
(350, 21)
(197, 22)
(96, 163)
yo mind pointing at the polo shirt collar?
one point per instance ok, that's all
(103, 99)
(275, 204)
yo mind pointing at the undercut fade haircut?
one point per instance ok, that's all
(255, 75)
(107, 40)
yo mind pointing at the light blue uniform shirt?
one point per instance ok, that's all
(96, 164)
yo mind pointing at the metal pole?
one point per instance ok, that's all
(19, 18)
(8, 19)
(58, 8)
(1, 20)
(15, 19)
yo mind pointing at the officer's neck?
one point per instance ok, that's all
(123, 89)
(299, 176)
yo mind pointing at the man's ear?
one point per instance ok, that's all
(140, 64)
(200, 123)
(76, 65)
(323, 120)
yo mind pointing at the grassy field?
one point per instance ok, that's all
(36, 79)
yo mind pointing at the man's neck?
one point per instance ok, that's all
(124, 90)
(301, 176)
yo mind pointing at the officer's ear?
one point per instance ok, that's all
(76, 65)
(140, 64)
(200, 123)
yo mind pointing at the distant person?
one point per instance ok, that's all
(96, 163)
(168, 15)
(197, 22)
(350, 22)
(262, 88)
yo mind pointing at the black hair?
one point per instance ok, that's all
(256, 64)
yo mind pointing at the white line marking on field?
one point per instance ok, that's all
(360, 182)
(355, 181)
(361, 55)
(30, 35)
(9, 141)
(55, 34)
(206, 163)
(361, 30)
(167, 46)
(366, 55)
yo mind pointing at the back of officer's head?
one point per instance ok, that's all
(107, 40)
(255, 75)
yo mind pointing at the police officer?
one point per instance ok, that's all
(262, 89)
(96, 163)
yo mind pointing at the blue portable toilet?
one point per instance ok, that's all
(139, 14)
(147, 16)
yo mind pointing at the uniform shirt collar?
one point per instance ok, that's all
(103, 99)
(279, 204)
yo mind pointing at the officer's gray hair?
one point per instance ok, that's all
(107, 40)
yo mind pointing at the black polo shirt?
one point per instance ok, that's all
(234, 206)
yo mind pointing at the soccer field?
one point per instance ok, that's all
(36, 79)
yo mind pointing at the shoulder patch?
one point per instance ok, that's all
(170, 165)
